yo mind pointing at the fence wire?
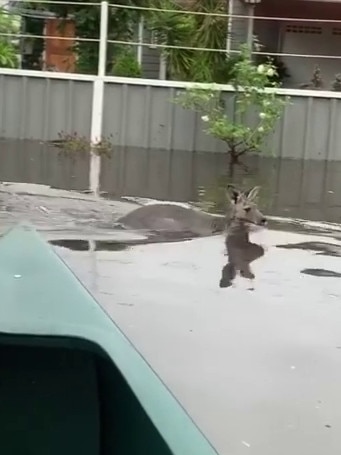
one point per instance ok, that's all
(147, 47)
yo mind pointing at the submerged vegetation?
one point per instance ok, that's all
(74, 145)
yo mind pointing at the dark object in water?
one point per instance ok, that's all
(321, 273)
(321, 248)
(84, 245)
(71, 382)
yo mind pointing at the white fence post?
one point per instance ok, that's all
(98, 102)
(140, 40)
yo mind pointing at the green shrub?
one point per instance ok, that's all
(126, 65)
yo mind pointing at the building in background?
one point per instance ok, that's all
(282, 30)
(313, 41)
(56, 54)
(59, 54)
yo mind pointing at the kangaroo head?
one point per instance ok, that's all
(244, 207)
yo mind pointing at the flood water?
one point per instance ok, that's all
(259, 371)
(291, 188)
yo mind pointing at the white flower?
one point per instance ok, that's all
(260, 69)
(270, 72)
(205, 118)
(260, 129)
(266, 103)
(262, 115)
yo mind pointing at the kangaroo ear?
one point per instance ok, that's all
(252, 193)
(232, 194)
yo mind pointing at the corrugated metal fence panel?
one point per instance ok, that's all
(40, 108)
(146, 116)
(310, 129)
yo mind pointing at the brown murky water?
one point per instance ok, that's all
(290, 188)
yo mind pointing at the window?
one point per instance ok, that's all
(307, 29)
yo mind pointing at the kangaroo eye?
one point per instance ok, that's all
(247, 209)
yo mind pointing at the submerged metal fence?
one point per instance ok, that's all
(140, 113)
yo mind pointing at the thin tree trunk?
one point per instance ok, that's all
(235, 161)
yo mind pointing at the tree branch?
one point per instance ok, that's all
(246, 150)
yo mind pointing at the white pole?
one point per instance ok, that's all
(94, 271)
(140, 40)
(98, 102)
(103, 38)
(229, 27)
(163, 67)
(250, 26)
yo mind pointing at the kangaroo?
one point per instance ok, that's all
(241, 252)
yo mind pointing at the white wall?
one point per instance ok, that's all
(311, 39)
